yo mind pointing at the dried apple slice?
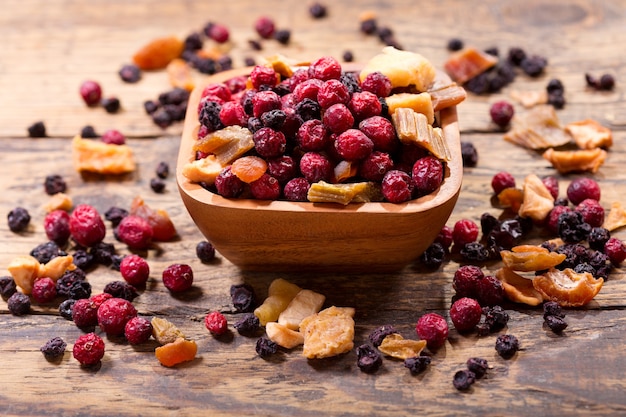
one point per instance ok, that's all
(576, 161)
(537, 201)
(396, 346)
(567, 287)
(517, 288)
(467, 63)
(616, 217)
(528, 258)
(589, 134)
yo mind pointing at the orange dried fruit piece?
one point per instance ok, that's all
(178, 351)
(616, 217)
(517, 288)
(203, 170)
(102, 158)
(526, 258)
(164, 331)
(511, 198)
(568, 287)
(159, 52)
(163, 228)
(279, 295)
(403, 68)
(59, 201)
(345, 170)
(418, 102)
(530, 99)
(447, 96)
(537, 201)
(249, 168)
(180, 75)
(24, 270)
(283, 336)
(328, 333)
(589, 134)
(398, 347)
(467, 63)
(576, 161)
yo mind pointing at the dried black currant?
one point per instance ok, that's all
(368, 359)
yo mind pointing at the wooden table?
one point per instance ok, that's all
(50, 47)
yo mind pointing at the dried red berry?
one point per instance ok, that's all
(91, 92)
(219, 33)
(501, 113)
(502, 180)
(135, 231)
(135, 270)
(432, 328)
(397, 186)
(353, 145)
(262, 75)
(338, 118)
(138, 330)
(113, 137)
(375, 166)
(377, 83)
(44, 290)
(178, 277)
(465, 231)
(296, 189)
(552, 184)
(113, 315)
(333, 92)
(364, 105)
(86, 225)
(228, 184)
(592, 211)
(490, 291)
(616, 251)
(465, 314)
(315, 167)
(265, 27)
(325, 68)
(427, 175)
(88, 349)
(216, 323)
(85, 313)
(581, 189)
(465, 280)
(57, 226)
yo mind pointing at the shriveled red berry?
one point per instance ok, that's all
(263, 76)
(464, 231)
(91, 92)
(219, 33)
(433, 328)
(592, 211)
(228, 184)
(178, 277)
(465, 280)
(282, 168)
(445, 237)
(217, 91)
(44, 290)
(135, 231)
(501, 113)
(427, 175)
(552, 221)
(265, 101)
(581, 189)
(325, 68)
(364, 105)
(465, 314)
(113, 137)
(85, 313)
(88, 349)
(135, 270)
(57, 226)
(313, 136)
(86, 226)
(233, 113)
(315, 167)
(338, 118)
(216, 323)
(502, 180)
(490, 291)
(308, 88)
(265, 27)
(377, 83)
(353, 145)
(397, 186)
(381, 131)
(296, 189)
(269, 143)
(616, 251)
(138, 330)
(375, 166)
(552, 184)
(333, 92)
(113, 315)
(265, 188)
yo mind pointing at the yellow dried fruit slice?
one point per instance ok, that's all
(279, 295)
(304, 304)
(537, 201)
(345, 170)
(576, 161)
(283, 336)
(413, 128)
(357, 192)
(398, 347)
(59, 201)
(419, 103)
(517, 288)
(203, 170)
(328, 333)
(467, 63)
(180, 75)
(532, 258)
(589, 134)
(511, 198)
(24, 270)
(282, 65)
(102, 158)
(567, 287)
(164, 331)
(616, 217)
(403, 68)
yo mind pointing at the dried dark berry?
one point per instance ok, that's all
(572, 228)
(557, 100)
(130, 73)
(493, 51)
(65, 308)
(516, 55)
(111, 104)
(417, 364)
(317, 10)
(79, 290)
(18, 219)
(65, 282)
(151, 106)
(607, 82)
(83, 259)
(501, 113)
(265, 347)
(115, 215)
(205, 251)
(378, 334)
(308, 109)
(121, 289)
(157, 185)
(533, 65)
(53, 349)
(243, 297)
(469, 154)
(368, 26)
(282, 36)
(478, 84)
(575, 254)
(478, 366)
(507, 345)
(555, 323)
(433, 256)
(7, 287)
(475, 251)
(18, 304)
(37, 130)
(54, 184)
(455, 44)
(463, 379)
(495, 318)
(369, 360)
(585, 267)
(210, 116)
(162, 170)
(46, 251)
(248, 325)
(347, 56)
(88, 132)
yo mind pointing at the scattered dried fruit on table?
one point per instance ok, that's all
(467, 63)
(576, 161)
(530, 99)
(304, 304)
(517, 288)
(163, 228)
(567, 287)
(179, 74)
(507, 345)
(589, 134)
(159, 52)
(88, 349)
(403, 68)
(179, 351)
(538, 128)
(102, 158)
(526, 258)
(537, 201)
(328, 333)
(26, 269)
(396, 346)
(164, 331)
(616, 217)
(283, 336)
(279, 295)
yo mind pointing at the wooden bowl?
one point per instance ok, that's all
(301, 236)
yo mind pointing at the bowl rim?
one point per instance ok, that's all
(449, 188)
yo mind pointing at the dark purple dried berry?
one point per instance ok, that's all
(469, 154)
(7, 287)
(206, 66)
(157, 185)
(18, 219)
(463, 379)
(377, 336)
(111, 104)
(478, 84)
(556, 324)
(68, 279)
(121, 289)
(282, 36)
(317, 10)
(455, 44)
(53, 349)
(585, 267)
(475, 251)
(516, 55)
(575, 254)
(351, 81)
(478, 366)
(210, 116)
(115, 215)
(248, 325)
(18, 304)
(347, 56)
(65, 308)
(557, 100)
(163, 170)
(46, 251)
(308, 109)
(130, 73)
(82, 259)
(79, 290)
(417, 364)
(193, 42)
(369, 360)
(205, 251)
(54, 184)
(273, 119)
(572, 228)
(493, 51)
(243, 297)
(103, 253)
(369, 26)
(598, 237)
(265, 347)
(495, 317)
(507, 345)
(150, 106)
(88, 132)
(37, 130)
(552, 308)
(533, 65)
(433, 256)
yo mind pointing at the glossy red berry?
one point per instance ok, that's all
(427, 175)
(325, 68)
(265, 188)
(88, 349)
(502, 180)
(315, 167)
(465, 314)
(338, 118)
(432, 328)
(216, 323)
(464, 231)
(219, 33)
(57, 226)
(381, 131)
(85, 313)
(137, 330)
(592, 211)
(135, 232)
(397, 186)
(113, 137)
(263, 76)
(501, 113)
(91, 92)
(265, 27)
(114, 313)
(552, 184)
(44, 290)
(178, 277)
(135, 270)
(353, 145)
(616, 251)
(86, 226)
(333, 92)
(377, 83)
(581, 189)
(375, 166)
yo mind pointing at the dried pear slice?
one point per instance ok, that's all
(358, 192)
(576, 161)
(537, 201)
(413, 128)
(447, 96)
(589, 134)
(539, 128)
(616, 217)
(567, 287)
(420, 103)
(467, 63)
(530, 258)
(283, 336)
(517, 288)
(396, 346)
(403, 68)
(305, 303)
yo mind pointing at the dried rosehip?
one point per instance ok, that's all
(178, 277)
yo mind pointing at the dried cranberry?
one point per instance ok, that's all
(325, 68)
(135, 270)
(381, 132)
(178, 277)
(490, 291)
(56, 224)
(228, 184)
(86, 225)
(501, 113)
(592, 211)
(307, 89)
(377, 83)
(85, 313)
(263, 76)
(265, 27)
(205, 251)
(333, 92)
(135, 232)
(137, 330)
(364, 105)
(265, 188)
(113, 315)
(53, 349)
(507, 345)
(113, 137)
(216, 323)
(375, 166)
(296, 189)
(338, 118)
(465, 314)
(552, 184)
(463, 379)
(432, 328)
(581, 189)
(91, 92)
(615, 250)
(315, 167)
(501, 181)
(269, 143)
(397, 186)
(427, 175)
(465, 280)
(282, 168)
(464, 231)
(44, 290)
(18, 219)
(369, 360)
(88, 349)
(264, 101)
(353, 145)
(219, 33)
(445, 237)
(18, 304)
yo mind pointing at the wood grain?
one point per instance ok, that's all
(48, 48)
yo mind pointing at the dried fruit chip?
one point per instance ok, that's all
(179, 73)
(203, 170)
(304, 304)
(467, 63)
(178, 351)
(357, 192)
(538, 200)
(420, 103)
(398, 347)
(328, 333)
(158, 53)
(403, 68)
(567, 287)
(283, 336)
(279, 295)
(102, 158)
(162, 227)
(511, 198)
(165, 331)
(517, 288)
(616, 217)
(589, 134)
(576, 161)
(539, 128)
(249, 168)
(528, 258)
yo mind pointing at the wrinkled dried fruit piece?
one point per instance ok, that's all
(304, 304)
(511, 198)
(178, 351)
(279, 295)
(163, 228)
(227, 144)
(446, 96)
(467, 63)
(158, 53)
(179, 73)
(59, 201)
(616, 217)
(413, 128)
(56, 267)
(283, 336)
(530, 99)
(576, 161)
(567, 287)
(398, 347)
(345, 170)
(517, 288)
(589, 134)
(165, 331)
(203, 170)
(358, 192)
(249, 168)
(403, 68)
(328, 333)
(538, 200)
(102, 158)
(539, 128)
(26, 269)
(528, 258)
(419, 103)
(282, 65)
